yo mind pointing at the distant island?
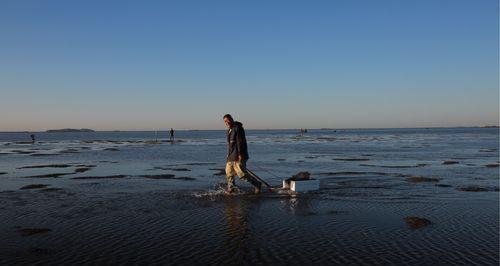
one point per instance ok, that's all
(70, 130)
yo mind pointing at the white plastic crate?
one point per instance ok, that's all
(301, 185)
(286, 184)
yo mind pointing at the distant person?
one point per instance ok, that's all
(171, 135)
(32, 138)
(237, 155)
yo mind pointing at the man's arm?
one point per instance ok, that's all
(239, 143)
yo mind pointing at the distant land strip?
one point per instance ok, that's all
(70, 130)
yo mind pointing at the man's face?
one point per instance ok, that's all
(228, 122)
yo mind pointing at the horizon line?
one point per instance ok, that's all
(323, 128)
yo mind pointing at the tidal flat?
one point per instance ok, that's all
(120, 198)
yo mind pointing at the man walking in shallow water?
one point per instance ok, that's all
(237, 155)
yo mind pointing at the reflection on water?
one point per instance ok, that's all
(297, 204)
(238, 233)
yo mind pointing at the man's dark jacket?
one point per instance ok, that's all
(236, 142)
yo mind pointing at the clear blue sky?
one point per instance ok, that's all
(146, 65)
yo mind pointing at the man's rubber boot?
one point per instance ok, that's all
(257, 188)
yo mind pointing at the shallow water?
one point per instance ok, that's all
(355, 218)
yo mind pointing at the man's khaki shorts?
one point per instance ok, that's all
(236, 168)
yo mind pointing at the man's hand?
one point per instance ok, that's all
(240, 158)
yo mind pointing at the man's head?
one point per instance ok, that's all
(228, 120)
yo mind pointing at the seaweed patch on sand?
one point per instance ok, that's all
(167, 176)
(417, 222)
(51, 189)
(55, 175)
(488, 150)
(22, 152)
(70, 151)
(179, 169)
(351, 159)
(162, 176)
(477, 189)
(82, 169)
(220, 171)
(352, 173)
(421, 179)
(45, 154)
(34, 186)
(393, 166)
(172, 169)
(86, 165)
(99, 177)
(33, 231)
(23, 142)
(46, 166)
(187, 178)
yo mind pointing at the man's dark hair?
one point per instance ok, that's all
(228, 116)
